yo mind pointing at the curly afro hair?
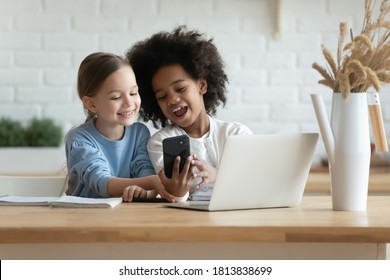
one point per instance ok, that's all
(197, 55)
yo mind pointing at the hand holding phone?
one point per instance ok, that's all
(173, 147)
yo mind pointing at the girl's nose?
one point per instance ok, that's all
(173, 99)
(128, 102)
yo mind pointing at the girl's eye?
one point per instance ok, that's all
(161, 98)
(115, 98)
(182, 89)
(133, 93)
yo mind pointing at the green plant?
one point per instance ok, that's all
(11, 133)
(38, 133)
(43, 133)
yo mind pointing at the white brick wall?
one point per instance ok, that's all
(42, 43)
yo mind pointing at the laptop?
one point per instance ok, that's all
(260, 171)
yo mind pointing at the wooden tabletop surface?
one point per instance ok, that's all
(312, 221)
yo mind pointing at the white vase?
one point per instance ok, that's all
(350, 168)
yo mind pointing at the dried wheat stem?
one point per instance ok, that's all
(372, 79)
(357, 85)
(364, 40)
(344, 84)
(329, 58)
(349, 47)
(327, 83)
(363, 62)
(357, 69)
(383, 77)
(343, 33)
(322, 71)
(367, 12)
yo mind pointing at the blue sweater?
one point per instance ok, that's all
(92, 159)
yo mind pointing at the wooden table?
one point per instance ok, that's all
(152, 231)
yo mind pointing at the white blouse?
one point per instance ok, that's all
(208, 148)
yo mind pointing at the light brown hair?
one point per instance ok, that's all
(93, 70)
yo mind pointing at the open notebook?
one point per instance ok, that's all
(63, 201)
(260, 171)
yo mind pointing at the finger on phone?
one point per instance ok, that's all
(176, 165)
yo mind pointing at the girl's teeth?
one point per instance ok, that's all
(126, 114)
(177, 109)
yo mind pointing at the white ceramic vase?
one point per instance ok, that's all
(352, 153)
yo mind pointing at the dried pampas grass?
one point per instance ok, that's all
(364, 62)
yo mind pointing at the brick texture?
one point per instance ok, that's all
(268, 52)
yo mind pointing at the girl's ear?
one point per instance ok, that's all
(202, 86)
(89, 104)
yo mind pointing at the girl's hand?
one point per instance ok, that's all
(180, 183)
(206, 171)
(161, 190)
(133, 191)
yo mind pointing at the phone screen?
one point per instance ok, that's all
(173, 147)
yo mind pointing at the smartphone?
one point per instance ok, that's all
(173, 147)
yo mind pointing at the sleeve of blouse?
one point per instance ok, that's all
(240, 129)
(155, 151)
(89, 165)
(142, 165)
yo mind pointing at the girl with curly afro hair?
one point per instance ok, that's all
(182, 81)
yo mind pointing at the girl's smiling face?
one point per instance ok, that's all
(116, 103)
(180, 98)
